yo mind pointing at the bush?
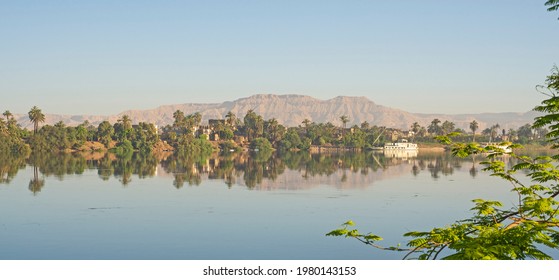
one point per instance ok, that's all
(261, 144)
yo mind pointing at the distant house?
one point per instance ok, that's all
(204, 130)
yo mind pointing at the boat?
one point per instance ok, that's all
(403, 145)
(402, 149)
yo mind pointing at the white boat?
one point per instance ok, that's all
(403, 145)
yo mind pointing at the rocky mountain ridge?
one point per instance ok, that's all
(292, 110)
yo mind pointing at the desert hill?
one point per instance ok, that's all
(292, 110)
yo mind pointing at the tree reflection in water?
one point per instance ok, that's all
(250, 169)
(36, 184)
(9, 167)
(473, 170)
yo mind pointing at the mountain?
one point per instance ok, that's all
(292, 110)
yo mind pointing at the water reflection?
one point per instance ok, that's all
(9, 167)
(253, 170)
(36, 184)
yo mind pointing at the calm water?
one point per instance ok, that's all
(236, 207)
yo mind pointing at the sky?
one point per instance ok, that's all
(104, 57)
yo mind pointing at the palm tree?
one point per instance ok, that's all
(434, 127)
(254, 125)
(493, 133)
(474, 126)
(7, 114)
(123, 128)
(415, 127)
(306, 122)
(180, 119)
(196, 119)
(344, 120)
(230, 118)
(553, 5)
(365, 126)
(126, 122)
(273, 130)
(36, 116)
(447, 127)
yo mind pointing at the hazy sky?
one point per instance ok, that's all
(103, 57)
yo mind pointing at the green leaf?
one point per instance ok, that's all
(353, 233)
(372, 237)
(338, 232)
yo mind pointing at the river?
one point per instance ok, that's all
(236, 207)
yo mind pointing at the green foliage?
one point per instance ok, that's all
(194, 146)
(551, 108)
(105, 133)
(290, 140)
(434, 127)
(123, 148)
(553, 5)
(143, 137)
(36, 116)
(53, 138)
(226, 134)
(261, 144)
(10, 145)
(254, 125)
(492, 232)
(229, 147)
(355, 139)
(12, 137)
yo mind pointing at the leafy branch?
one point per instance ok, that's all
(519, 232)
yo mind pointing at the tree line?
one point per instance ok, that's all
(493, 133)
(186, 134)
